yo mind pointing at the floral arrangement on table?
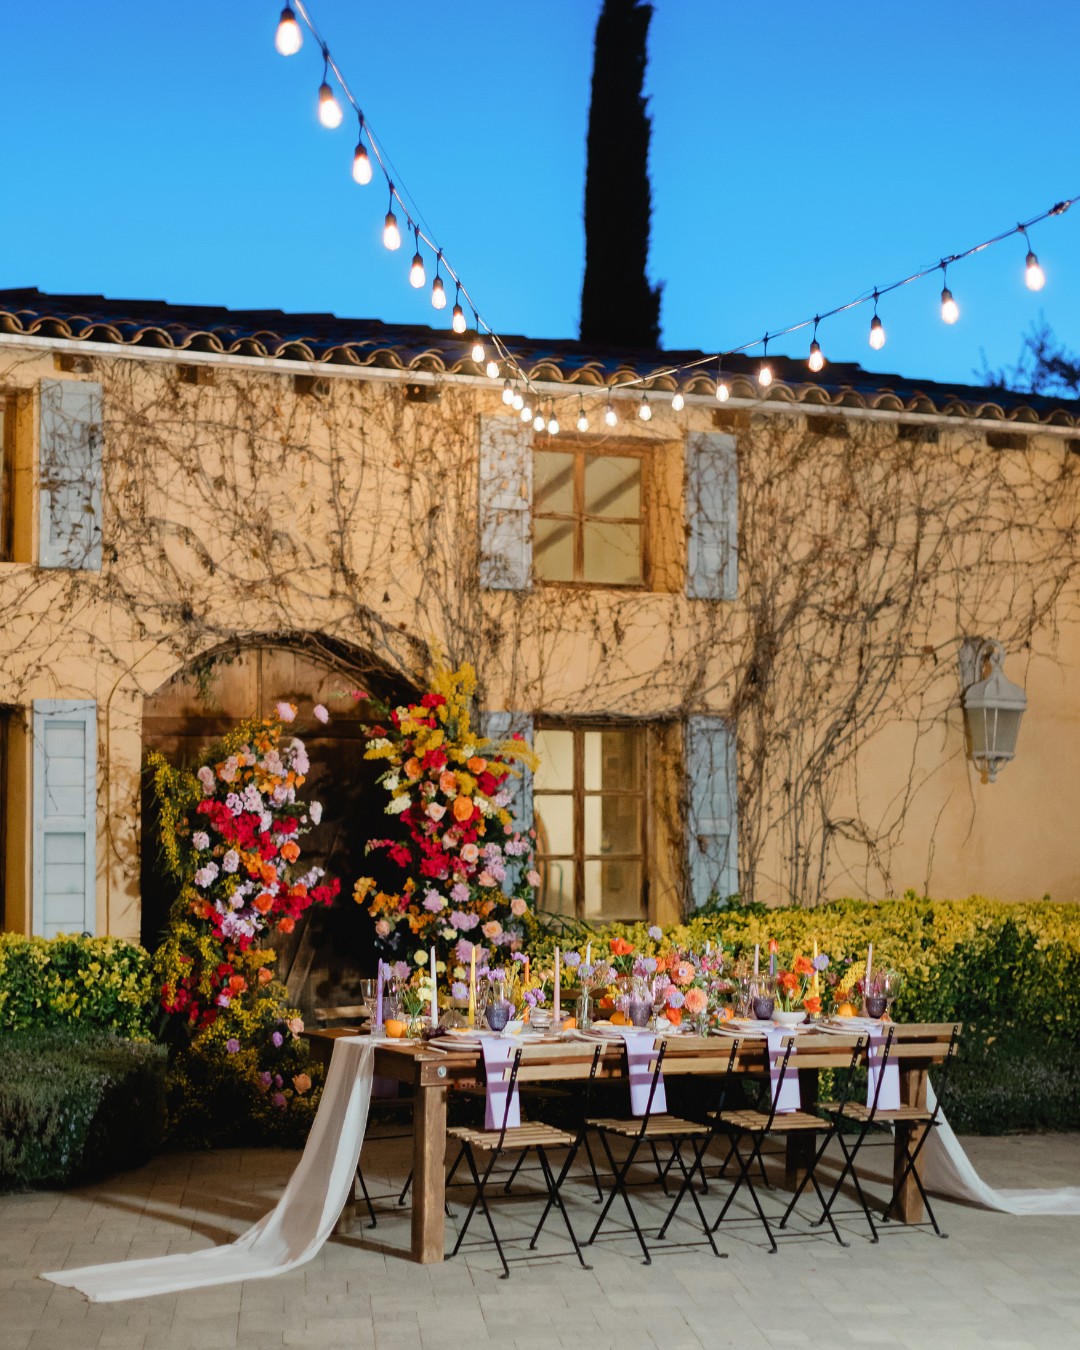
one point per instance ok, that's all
(469, 876)
(231, 832)
(798, 986)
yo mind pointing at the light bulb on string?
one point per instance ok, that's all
(361, 164)
(950, 310)
(508, 392)
(492, 369)
(877, 329)
(582, 419)
(644, 410)
(438, 290)
(1034, 276)
(723, 392)
(764, 375)
(416, 271)
(611, 417)
(538, 421)
(816, 361)
(678, 402)
(526, 412)
(288, 39)
(457, 321)
(330, 113)
(477, 352)
(553, 421)
(518, 403)
(391, 235)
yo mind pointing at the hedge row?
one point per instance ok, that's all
(72, 981)
(77, 1103)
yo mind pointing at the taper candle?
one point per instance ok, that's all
(378, 998)
(472, 986)
(557, 1011)
(757, 958)
(434, 993)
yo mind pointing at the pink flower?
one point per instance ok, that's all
(486, 879)
(470, 852)
(321, 715)
(518, 907)
(492, 929)
(435, 810)
(285, 712)
(696, 1001)
(382, 928)
(301, 1082)
(533, 877)
(295, 1025)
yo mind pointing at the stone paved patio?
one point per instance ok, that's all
(997, 1282)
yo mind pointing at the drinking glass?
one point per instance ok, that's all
(891, 984)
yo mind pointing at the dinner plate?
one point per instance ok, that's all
(854, 1023)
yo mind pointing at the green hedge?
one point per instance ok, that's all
(1009, 972)
(103, 983)
(75, 1104)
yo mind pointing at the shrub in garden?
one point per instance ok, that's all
(77, 1103)
(75, 981)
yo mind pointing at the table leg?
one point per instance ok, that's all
(429, 1175)
(801, 1145)
(909, 1205)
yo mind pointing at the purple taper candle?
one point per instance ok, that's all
(378, 1000)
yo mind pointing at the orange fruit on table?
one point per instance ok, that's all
(395, 1027)
(846, 1010)
(619, 1019)
(569, 1024)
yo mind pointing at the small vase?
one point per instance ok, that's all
(763, 1007)
(874, 1005)
(584, 1010)
(639, 1011)
(497, 1015)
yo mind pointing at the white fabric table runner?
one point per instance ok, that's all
(298, 1225)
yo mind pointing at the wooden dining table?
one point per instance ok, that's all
(431, 1072)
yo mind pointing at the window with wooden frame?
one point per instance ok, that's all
(589, 798)
(589, 523)
(7, 476)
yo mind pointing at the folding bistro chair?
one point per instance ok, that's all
(688, 1055)
(756, 1126)
(531, 1063)
(937, 1042)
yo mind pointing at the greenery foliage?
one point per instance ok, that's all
(76, 1103)
(102, 983)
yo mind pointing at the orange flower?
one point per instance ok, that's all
(477, 765)
(263, 903)
(463, 810)
(290, 850)
(237, 984)
(673, 1015)
(413, 767)
(683, 972)
(620, 947)
(787, 980)
(812, 1005)
(696, 1001)
(448, 782)
(267, 873)
(286, 924)
(804, 966)
(774, 946)
(265, 974)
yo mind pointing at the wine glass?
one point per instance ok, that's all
(891, 983)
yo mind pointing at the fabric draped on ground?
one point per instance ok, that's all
(297, 1226)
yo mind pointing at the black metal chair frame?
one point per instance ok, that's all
(552, 1184)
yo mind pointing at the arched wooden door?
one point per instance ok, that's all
(323, 960)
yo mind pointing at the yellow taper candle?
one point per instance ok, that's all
(815, 985)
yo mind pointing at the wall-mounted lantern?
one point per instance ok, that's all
(993, 707)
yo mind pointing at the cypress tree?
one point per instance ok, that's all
(618, 306)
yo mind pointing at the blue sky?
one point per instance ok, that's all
(802, 153)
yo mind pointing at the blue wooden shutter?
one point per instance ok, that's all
(501, 726)
(70, 474)
(712, 516)
(65, 816)
(505, 504)
(711, 794)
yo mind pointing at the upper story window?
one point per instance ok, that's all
(589, 801)
(589, 517)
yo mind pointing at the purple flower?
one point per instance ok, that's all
(278, 1081)
(433, 902)
(232, 1045)
(464, 950)
(459, 893)
(650, 965)
(401, 970)
(464, 923)
(572, 960)
(656, 932)
(675, 998)
(277, 1038)
(519, 956)
(266, 1078)
(279, 1100)
(821, 962)
(459, 990)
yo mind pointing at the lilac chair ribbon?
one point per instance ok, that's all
(639, 1057)
(888, 1099)
(790, 1098)
(497, 1054)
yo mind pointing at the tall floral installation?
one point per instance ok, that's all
(469, 877)
(231, 833)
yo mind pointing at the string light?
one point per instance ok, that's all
(815, 360)
(877, 329)
(538, 421)
(391, 235)
(764, 375)
(518, 403)
(288, 39)
(477, 352)
(492, 369)
(723, 393)
(416, 271)
(330, 113)
(582, 419)
(553, 421)
(508, 392)
(1034, 276)
(526, 412)
(361, 164)
(438, 290)
(678, 403)
(610, 415)
(644, 410)
(950, 310)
